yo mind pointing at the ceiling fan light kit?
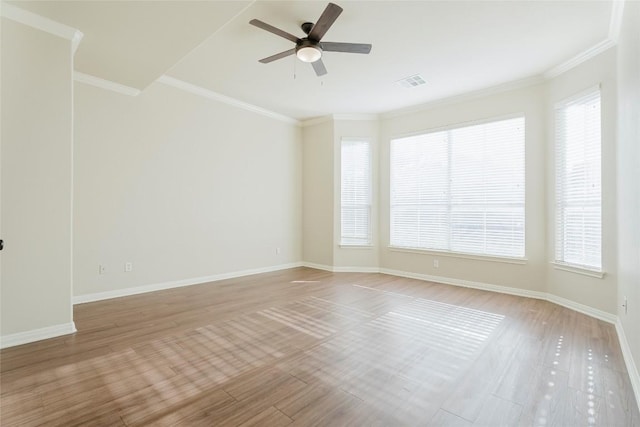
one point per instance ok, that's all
(308, 52)
(309, 49)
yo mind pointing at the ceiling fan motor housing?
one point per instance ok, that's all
(306, 27)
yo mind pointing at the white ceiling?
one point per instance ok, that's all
(135, 42)
(457, 46)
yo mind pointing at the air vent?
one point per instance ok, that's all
(411, 81)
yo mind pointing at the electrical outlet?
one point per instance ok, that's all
(102, 269)
(436, 263)
(277, 251)
(625, 304)
(128, 267)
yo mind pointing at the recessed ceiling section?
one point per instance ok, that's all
(457, 46)
(464, 45)
(135, 42)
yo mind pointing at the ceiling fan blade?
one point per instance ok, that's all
(326, 20)
(346, 47)
(277, 31)
(319, 68)
(278, 56)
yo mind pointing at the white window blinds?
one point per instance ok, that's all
(460, 190)
(355, 190)
(578, 182)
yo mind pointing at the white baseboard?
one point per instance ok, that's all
(584, 309)
(632, 369)
(117, 293)
(318, 266)
(590, 311)
(338, 269)
(356, 269)
(37, 335)
(581, 308)
(467, 284)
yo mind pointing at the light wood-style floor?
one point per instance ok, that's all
(304, 347)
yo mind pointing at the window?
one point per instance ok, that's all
(460, 189)
(578, 182)
(355, 190)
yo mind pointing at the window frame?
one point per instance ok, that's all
(368, 206)
(510, 259)
(558, 249)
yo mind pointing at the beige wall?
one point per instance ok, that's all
(528, 276)
(321, 177)
(318, 193)
(36, 180)
(181, 186)
(628, 177)
(594, 292)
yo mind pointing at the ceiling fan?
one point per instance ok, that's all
(310, 48)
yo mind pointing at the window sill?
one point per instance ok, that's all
(349, 246)
(489, 258)
(598, 274)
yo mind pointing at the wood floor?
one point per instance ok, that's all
(304, 347)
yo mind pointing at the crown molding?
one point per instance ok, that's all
(356, 117)
(315, 121)
(615, 23)
(579, 58)
(209, 94)
(513, 85)
(105, 84)
(339, 117)
(75, 41)
(43, 24)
